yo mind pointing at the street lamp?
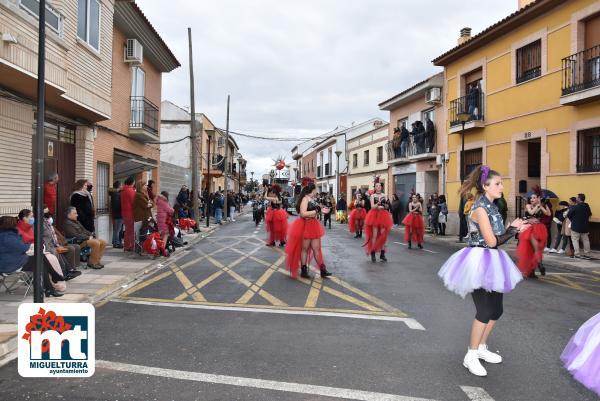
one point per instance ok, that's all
(463, 116)
(337, 173)
(209, 133)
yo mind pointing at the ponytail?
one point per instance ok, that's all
(305, 191)
(476, 179)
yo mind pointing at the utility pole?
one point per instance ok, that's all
(38, 278)
(226, 164)
(193, 137)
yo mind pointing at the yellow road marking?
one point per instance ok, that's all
(562, 282)
(313, 294)
(271, 298)
(244, 299)
(187, 284)
(350, 299)
(146, 283)
(366, 296)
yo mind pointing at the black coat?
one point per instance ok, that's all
(85, 210)
(580, 217)
(115, 204)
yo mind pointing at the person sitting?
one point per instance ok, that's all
(13, 251)
(67, 254)
(25, 225)
(81, 236)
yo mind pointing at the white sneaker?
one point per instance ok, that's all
(552, 250)
(472, 363)
(560, 251)
(546, 249)
(487, 355)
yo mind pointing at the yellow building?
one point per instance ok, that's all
(530, 86)
(367, 158)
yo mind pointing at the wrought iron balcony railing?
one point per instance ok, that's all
(144, 114)
(472, 104)
(581, 71)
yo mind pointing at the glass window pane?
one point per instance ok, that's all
(82, 19)
(52, 19)
(31, 5)
(94, 24)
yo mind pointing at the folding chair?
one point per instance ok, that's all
(21, 278)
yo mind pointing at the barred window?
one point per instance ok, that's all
(529, 61)
(102, 171)
(472, 160)
(588, 150)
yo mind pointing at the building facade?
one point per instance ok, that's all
(529, 86)
(367, 158)
(415, 166)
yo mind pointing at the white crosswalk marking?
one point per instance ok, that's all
(476, 393)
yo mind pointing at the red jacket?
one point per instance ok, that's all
(127, 197)
(50, 196)
(26, 231)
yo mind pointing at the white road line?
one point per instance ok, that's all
(410, 322)
(347, 394)
(476, 393)
(426, 250)
(400, 243)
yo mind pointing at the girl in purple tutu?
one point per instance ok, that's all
(582, 354)
(481, 269)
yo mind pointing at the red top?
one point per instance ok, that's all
(127, 197)
(26, 231)
(50, 196)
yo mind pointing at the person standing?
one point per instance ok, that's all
(304, 240)
(142, 207)
(378, 223)
(559, 218)
(164, 215)
(231, 204)
(530, 249)
(342, 209)
(127, 198)
(462, 228)
(50, 191)
(434, 214)
(218, 203)
(276, 218)
(396, 210)
(115, 214)
(414, 227)
(356, 221)
(327, 210)
(81, 199)
(151, 193)
(464, 274)
(580, 226)
(443, 214)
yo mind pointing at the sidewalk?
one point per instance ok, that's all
(550, 259)
(120, 271)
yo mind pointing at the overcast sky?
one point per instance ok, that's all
(300, 68)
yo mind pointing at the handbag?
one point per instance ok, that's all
(442, 219)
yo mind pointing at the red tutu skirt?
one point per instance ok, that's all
(276, 224)
(529, 255)
(382, 220)
(357, 214)
(414, 228)
(300, 230)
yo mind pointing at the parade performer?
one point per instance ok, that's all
(530, 250)
(481, 268)
(378, 223)
(304, 237)
(582, 354)
(356, 222)
(414, 227)
(276, 222)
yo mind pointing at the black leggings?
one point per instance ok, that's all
(488, 305)
(327, 218)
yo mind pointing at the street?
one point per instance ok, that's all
(225, 322)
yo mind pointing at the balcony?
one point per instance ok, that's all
(217, 165)
(473, 104)
(581, 77)
(417, 147)
(143, 124)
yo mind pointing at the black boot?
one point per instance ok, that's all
(373, 257)
(382, 256)
(357, 235)
(421, 246)
(409, 245)
(360, 234)
(532, 274)
(304, 272)
(281, 244)
(542, 269)
(324, 272)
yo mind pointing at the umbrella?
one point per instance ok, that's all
(546, 194)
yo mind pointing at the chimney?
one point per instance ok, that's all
(523, 3)
(465, 34)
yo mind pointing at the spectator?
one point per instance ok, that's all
(13, 250)
(67, 254)
(164, 214)
(547, 221)
(25, 225)
(116, 215)
(443, 217)
(404, 137)
(231, 206)
(502, 207)
(396, 141)
(342, 209)
(50, 193)
(183, 196)
(559, 218)
(74, 229)
(142, 207)
(81, 199)
(151, 193)
(218, 203)
(434, 214)
(566, 229)
(462, 218)
(127, 198)
(580, 226)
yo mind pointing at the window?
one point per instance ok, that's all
(88, 22)
(102, 171)
(380, 154)
(366, 158)
(427, 114)
(529, 61)
(472, 160)
(403, 122)
(355, 160)
(53, 18)
(588, 151)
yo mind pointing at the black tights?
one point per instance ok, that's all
(326, 218)
(488, 305)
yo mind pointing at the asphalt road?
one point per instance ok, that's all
(225, 322)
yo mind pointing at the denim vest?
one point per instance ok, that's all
(475, 238)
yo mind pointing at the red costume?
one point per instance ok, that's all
(530, 256)
(381, 219)
(414, 227)
(300, 230)
(276, 220)
(356, 219)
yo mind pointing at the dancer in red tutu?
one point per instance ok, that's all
(356, 222)
(414, 227)
(304, 237)
(530, 250)
(378, 223)
(276, 222)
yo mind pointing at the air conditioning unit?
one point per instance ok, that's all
(134, 52)
(433, 96)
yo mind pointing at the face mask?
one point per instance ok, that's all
(31, 221)
(50, 220)
(47, 215)
(89, 188)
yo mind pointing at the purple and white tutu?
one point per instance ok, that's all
(472, 268)
(582, 354)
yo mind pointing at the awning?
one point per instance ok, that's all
(128, 164)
